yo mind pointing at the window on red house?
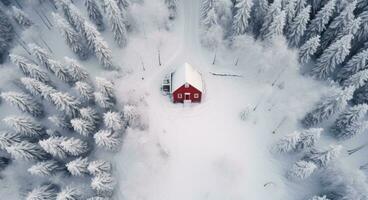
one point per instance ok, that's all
(196, 95)
(180, 96)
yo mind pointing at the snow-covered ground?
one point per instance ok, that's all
(205, 151)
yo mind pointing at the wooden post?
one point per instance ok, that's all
(214, 58)
(159, 57)
(142, 63)
(237, 61)
(279, 125)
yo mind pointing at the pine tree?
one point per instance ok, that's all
(103, 100)
(105, 86)
(90, 115)
(329, 106)
(63, 5)
(350, 122)
(323, 158)
(65, 103)
(75, 70)
(274, 22)
(116, 20)
(83, 127)
(108, 139)
(61, 121)
(76, 18)
(131, 115)
(74, 146)
(85, 91)
(23, 102)
(298, 27)
(241, 16)
(21, 18)
(308, 49)
(44, 192)
(98, 46)
(113, 120)
(26, 151)
(37, 88)
(351, 28)
(338, 24)
(208, 14)
(322, 18)
(362, 33)
(8, 138)
(332, 56)
(355, 64)
(45, 168)
(94, 14)
(72, 38)
(123, 4)
(45, 59)
(290, 12)
(52, 145)
(298, 141)
(78, 167)
(300, 5)
(258, 13)
(7, 34)
(69, 193)
(103, 184)
(357, 80)
(29, 68)
(99, 167)
(301, 170)
(26, 126)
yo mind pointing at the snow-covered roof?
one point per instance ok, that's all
(187, 74)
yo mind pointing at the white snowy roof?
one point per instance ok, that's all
(187, 74)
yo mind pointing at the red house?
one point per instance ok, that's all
(187, 85)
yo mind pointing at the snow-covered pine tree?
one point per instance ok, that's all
(37, 88)
(332, 56)
(131, 116)
(258, 13)
(26, 126)
(105, 86)
(301, 170)
(103, 184)
(329, 106)
(290, 11)
(320, 21)
(65, 103)
(362, 33)
(308, 49)
(298, 27)
(52, 145)
(43, 192)
(94, 14)
(274, 22)
(338, 24)
(323, 158)
(208, 14)
(351, 28)
(78, 167)
(7, 34)
(300, 5)
(72, 38)
(45, 168)
(69, 193)
(319, 198)
(108, 139)
(85, 91)
(124, 4)
(350, 122)
(298, 141)
(355, 64)
(44, 58)
(63, 5)
(74, 146)
(76, 19)
(23, 102)
(21, 17)
(99, 167)
(98, 46)
(75, 70)
(8, 138)
(316, 5)
(171, 5)
(116, 20)
(91, 115)
(242, 9)
(103, 101)
(357, 80)
(361, 95)
(29, 68)
(113, 120)
(61, 122)
(82, 126)
(25, 150)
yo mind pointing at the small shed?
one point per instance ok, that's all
(186, 85)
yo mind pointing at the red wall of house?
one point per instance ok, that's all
(191, 90)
